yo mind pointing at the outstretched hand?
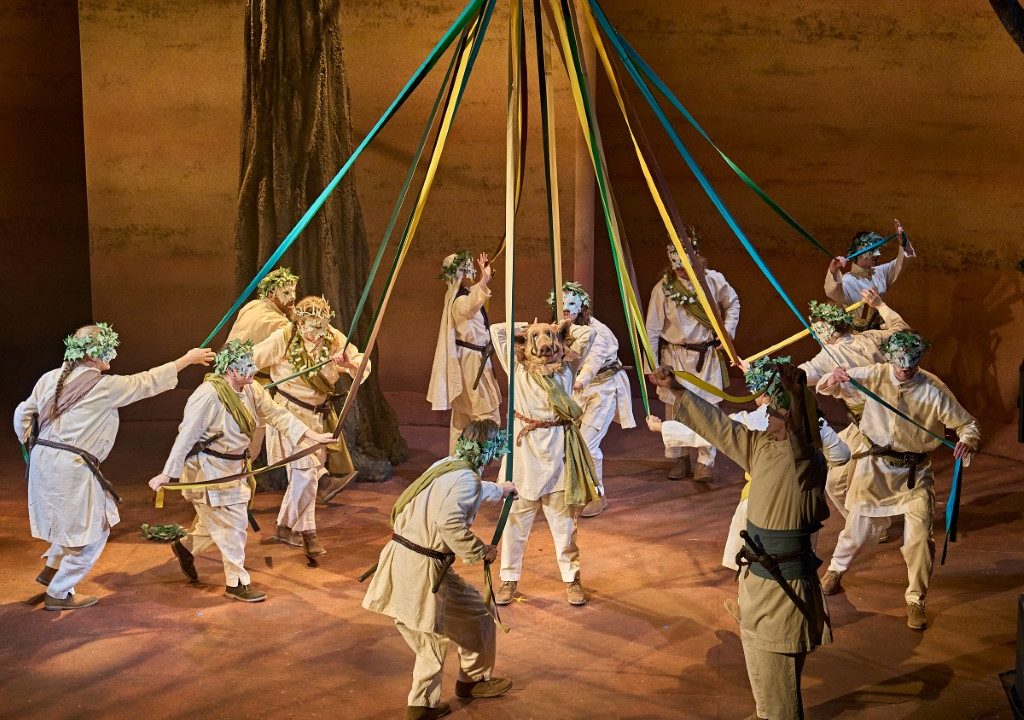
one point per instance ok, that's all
(486, 271)
(871, 297)
(654, 423)
(159, 480)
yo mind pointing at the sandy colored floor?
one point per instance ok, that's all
(654, 641)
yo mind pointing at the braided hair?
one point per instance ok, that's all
(69, 365)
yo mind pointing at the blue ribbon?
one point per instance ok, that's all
(873, 247)
(463, 19)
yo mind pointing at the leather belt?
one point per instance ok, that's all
(91, 462)
(701, 348)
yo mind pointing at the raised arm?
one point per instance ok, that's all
(271, 351)
(125, 389)
(834, 280)
(350, 360)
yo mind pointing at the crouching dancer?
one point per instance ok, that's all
(69, 425)
(782, 610)
(413, 584)
(213, 442)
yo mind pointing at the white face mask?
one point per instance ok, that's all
(673, 257)
(312, 330)
(825, 332)
(572, 304)
(284, 295)
(244, 367)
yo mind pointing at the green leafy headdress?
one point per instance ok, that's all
(864, 239)
(237, 356)
(99, 345)
(834, 317)
(479, 454)
(763, 376)
(905, 348)
(281, 276)
(456, 264)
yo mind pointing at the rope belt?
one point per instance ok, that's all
(701, 348)
(529, 425)
(91, 462)
(487, 351)
(447, 559)
(323, 408)
(897, 458)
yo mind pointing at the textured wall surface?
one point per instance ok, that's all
(849, 114)
(43, 222)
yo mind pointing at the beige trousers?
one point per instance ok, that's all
(561, 522)
(705, 453)
(73, 564)
(918, 547)
(598, 414)
(774, 680)
(224, 527)
(466, 623)
(298, 506)
(463, 416)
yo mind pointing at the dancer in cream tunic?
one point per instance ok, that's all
(676, 320)
(541, 471)
(308, 342)
(845, 288)
(220, 418)
(432, 522)
(893, 475)
(601, 388)
(462, 378)
(70, 422)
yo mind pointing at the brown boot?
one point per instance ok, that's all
(594, 507)
(69, 602)
(482, 688)
(311, 544)
(681, 469)
(916, 619)
(831, 582)
(421, 712)
(574, 592)
(186, 560)
(703, 474)
(286, 536)
(331, 485)
(506, 593)
(44, 577)
(245, 593)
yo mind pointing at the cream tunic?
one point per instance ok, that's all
(848, 289)
(205, 416)
(467, 321)
(66, 504)
(671, 323)
(438, 518)
(602, 350)
(257, 320)
(539, 467)
(272, 355)
(854, 349)
(877, 488)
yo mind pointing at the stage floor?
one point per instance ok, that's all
(653, 642)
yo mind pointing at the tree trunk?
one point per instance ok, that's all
(296, 134)
(1011, 14)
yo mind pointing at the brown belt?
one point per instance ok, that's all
(447, 559)
(487, 351)
(897, 458)
(701, 348)
(529, 425)
(91, 462)
(323, 408)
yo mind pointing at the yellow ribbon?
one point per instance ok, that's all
(793, 338)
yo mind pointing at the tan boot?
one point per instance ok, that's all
(831, 582)
(421, 712)
(331, 485)
(311, 544)
(44, 577)
(916, 619)
(681, 469)
(286, 536)
(506, 593)
(69, 602)
(574, 592)
(245, 593)
(482, 688)
(703, 474)
(594, 507)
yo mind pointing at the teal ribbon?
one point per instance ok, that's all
(952, 508)
(446, 40)
(875, 246)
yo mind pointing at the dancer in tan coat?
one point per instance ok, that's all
(431, 522)
(69, 423)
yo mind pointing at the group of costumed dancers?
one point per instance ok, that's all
(570, 386)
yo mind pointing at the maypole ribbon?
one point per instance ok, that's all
(499, 530)
(446, 40)
(875, 246)
(547, 123)
(512, 170)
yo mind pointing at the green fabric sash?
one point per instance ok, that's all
(423, 482)
(580, 476)
(240, 413)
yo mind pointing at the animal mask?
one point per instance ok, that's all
(543, 347)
